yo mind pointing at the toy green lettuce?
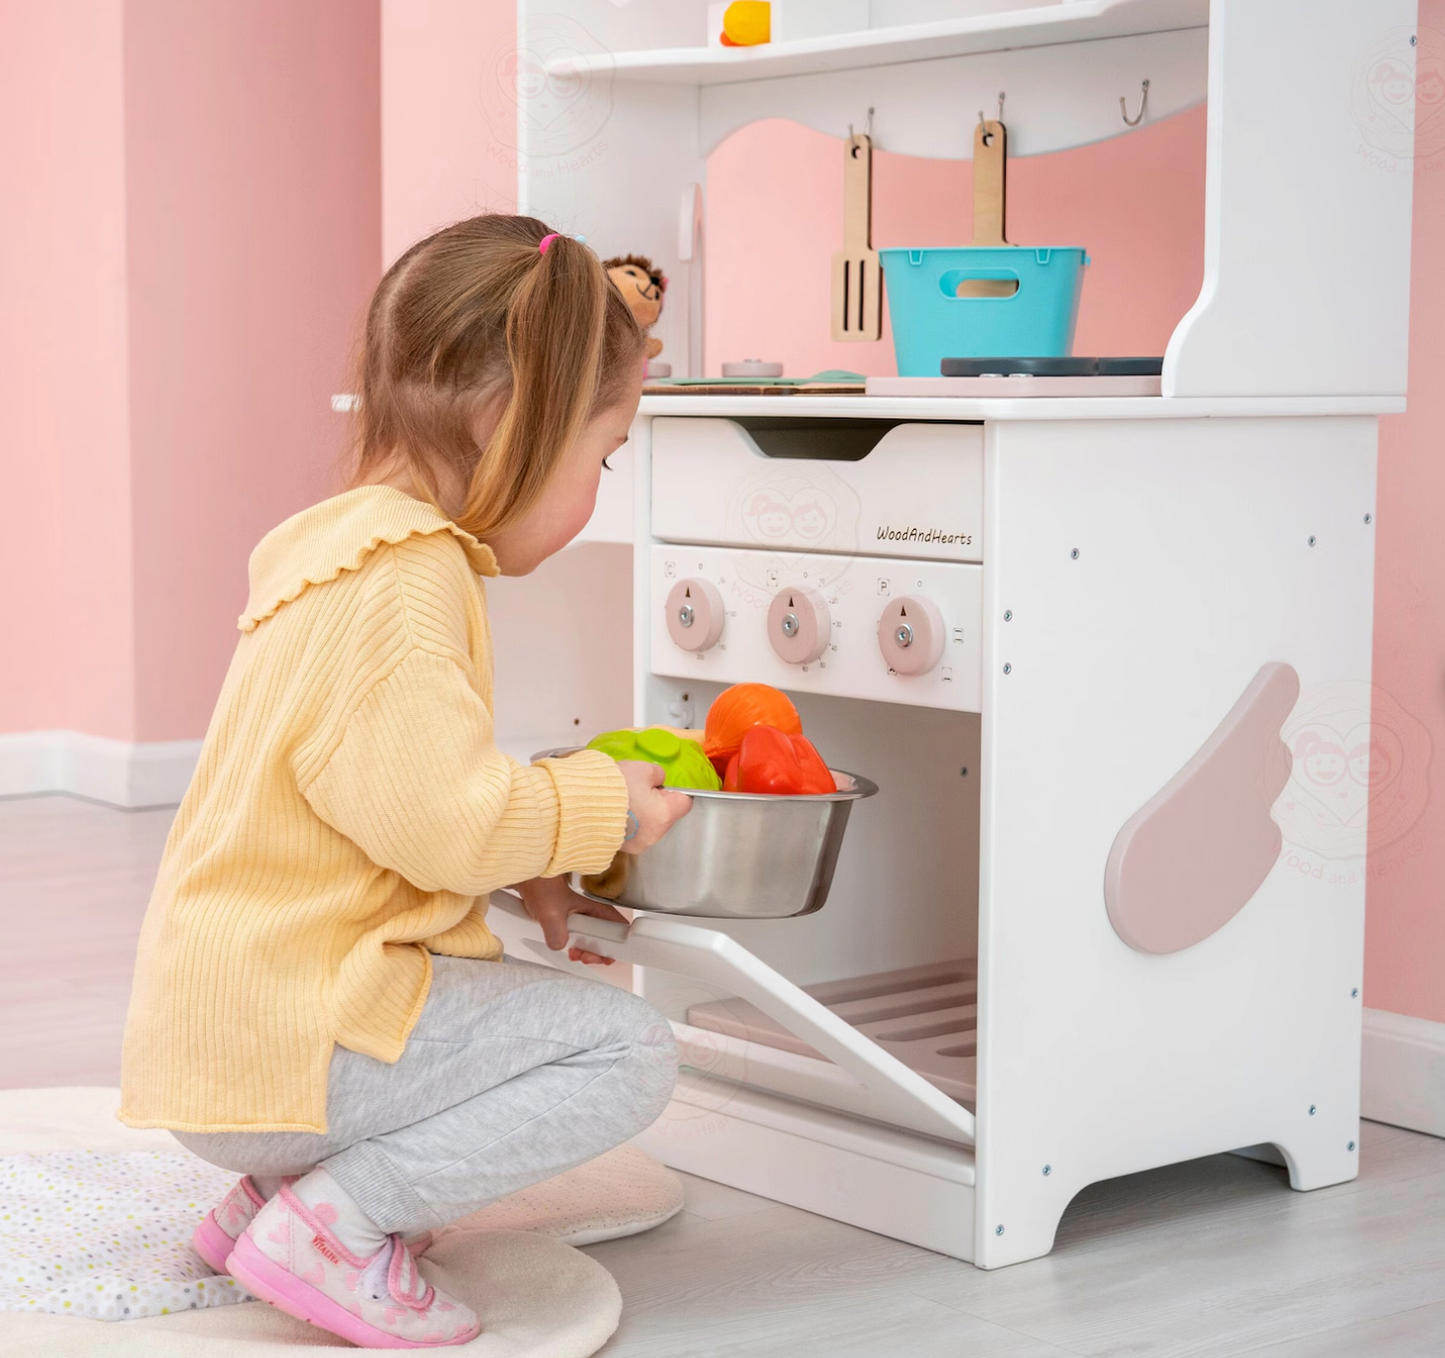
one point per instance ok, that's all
(683, 761)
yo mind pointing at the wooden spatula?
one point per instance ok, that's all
(857, 279)
(990, 160)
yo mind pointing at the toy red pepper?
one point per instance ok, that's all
(776, 762)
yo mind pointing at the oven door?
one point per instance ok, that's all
(857, 1076)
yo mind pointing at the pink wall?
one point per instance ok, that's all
(1136, 202)
(445, 151)
(67, 655)
(254, 199)
(191, 228)
(1405, 920)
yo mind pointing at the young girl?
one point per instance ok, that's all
(318, 1001)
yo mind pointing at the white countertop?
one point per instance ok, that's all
(1027, 408)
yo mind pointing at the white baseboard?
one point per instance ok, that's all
(118, 772)
(1402, 1076)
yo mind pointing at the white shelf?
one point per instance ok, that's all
(1039, 26)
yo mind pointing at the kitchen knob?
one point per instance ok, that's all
(695, 614)
(910, 634)
(799, 625)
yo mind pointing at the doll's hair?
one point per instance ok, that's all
(483, 358)
(659, 279)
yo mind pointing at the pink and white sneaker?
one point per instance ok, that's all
(289, 1257)
(215, 1237)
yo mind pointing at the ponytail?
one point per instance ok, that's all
(483, 359)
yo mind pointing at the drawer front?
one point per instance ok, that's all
(917, 490)
(857, 592)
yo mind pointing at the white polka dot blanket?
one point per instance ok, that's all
(96, 1219)
(107, 1234)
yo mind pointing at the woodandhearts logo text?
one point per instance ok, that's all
(887, 534)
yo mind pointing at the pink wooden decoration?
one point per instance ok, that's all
(1190, 859)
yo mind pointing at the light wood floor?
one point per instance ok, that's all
(1215, 1257)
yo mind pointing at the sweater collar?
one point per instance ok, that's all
(337, 535)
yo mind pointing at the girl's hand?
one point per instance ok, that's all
(657, 808)
(549, 901)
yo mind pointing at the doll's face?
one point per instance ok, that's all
(642, 294)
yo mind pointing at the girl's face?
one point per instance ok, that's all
(567, 502)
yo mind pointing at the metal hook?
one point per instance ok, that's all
(867, 132)
(1143, 104)
(983, 123)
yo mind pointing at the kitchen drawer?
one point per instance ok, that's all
(855, 486)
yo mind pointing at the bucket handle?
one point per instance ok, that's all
(979, 285)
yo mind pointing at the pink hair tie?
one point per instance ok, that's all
(547, 240)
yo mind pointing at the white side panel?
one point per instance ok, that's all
(1307, 203)
(856, 589)
(598, 164)
(1056, 97)
(918, 494)
(1195, 565)
(873, 1177)
(563, 653)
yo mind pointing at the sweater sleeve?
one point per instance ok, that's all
(418, 784)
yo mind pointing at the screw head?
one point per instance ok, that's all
(1312, 1110)
(1349, 1145)
(686, 616)
(1048, 1169)
(963, 773)
(1312, 539)
(1369, 518)
(1008, 669)
(998, 1230)
(904, 635)
(1355, 993)
(790, 624)
(1074, 555)
(1008, 615)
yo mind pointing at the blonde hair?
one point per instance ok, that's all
(476, 323)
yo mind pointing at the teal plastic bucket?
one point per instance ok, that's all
(931, 322)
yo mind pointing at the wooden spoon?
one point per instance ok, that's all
(990, 160)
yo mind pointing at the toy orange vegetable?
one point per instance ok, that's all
(775, 762)
(740, 707)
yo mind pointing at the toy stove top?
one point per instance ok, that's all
(1014, 377)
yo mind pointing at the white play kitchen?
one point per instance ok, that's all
(1068, 620)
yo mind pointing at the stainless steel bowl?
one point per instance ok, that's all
(737, 855)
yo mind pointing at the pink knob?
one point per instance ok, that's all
(799, 624)
(910, 634)
(694, 614)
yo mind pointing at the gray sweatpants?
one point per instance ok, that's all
(514, 1073)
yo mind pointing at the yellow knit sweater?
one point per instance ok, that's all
(348, 811)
